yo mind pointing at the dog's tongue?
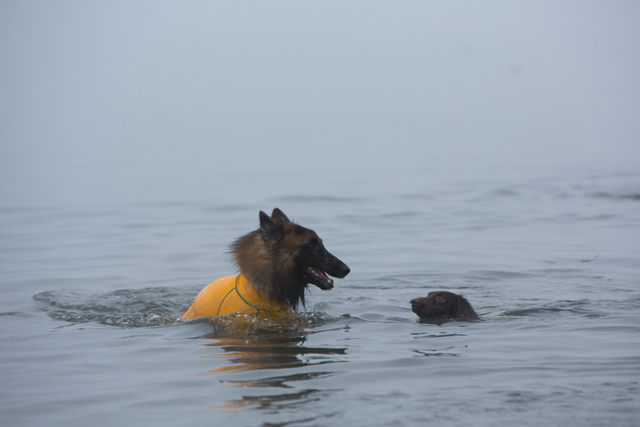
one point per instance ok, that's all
(323, 275)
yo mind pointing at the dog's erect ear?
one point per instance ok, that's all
(278, 215)
(464, 310)
(267, 226)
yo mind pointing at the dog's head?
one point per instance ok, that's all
(281, 258)
(441, 304)
(298, 250)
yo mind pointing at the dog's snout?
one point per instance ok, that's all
(344, 270)
(414, 301)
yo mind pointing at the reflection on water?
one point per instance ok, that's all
(275, 403)
(252, 344)
(280, 381)
(263, 347)
(268, 353)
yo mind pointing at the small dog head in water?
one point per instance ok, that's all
(441, 304)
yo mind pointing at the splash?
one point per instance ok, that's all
(266, 324)
(123, 308)
(148, 307)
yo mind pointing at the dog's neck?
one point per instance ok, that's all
(270, 276)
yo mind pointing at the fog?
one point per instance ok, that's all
(150, 91)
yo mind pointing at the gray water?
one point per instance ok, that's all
(488, 150)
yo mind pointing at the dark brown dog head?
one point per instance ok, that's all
(281, 258)
(442, 303)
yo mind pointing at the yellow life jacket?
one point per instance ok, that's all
(231, 294)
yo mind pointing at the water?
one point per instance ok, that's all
(91, 298)
(431, 147)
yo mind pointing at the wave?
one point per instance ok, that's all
(161, 306)
(122, 308)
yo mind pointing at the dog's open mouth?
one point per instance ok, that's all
(321, 279)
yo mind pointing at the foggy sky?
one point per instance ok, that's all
(327, 85)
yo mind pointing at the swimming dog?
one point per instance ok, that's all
(441, 304)
(277, 262)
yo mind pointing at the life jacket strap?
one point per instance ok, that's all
(235, 288)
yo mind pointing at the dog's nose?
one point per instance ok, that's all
(345, 270)
(414, 301)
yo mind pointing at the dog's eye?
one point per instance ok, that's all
(439, 299)
(313, 243)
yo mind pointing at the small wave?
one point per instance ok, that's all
(623, 196)
(163, 306)
(317, 198)
(579, 308)
(9, 313)
(437, 353)
(122, 308)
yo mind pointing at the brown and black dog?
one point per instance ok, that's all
(443, 304)
(281, 258)
(277, 262)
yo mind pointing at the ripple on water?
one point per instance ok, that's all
(135, 308)
(128, 308)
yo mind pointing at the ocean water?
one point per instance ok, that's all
(92, 294)
(489, 150)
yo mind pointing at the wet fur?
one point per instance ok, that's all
(443, 304)
(274, 258)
